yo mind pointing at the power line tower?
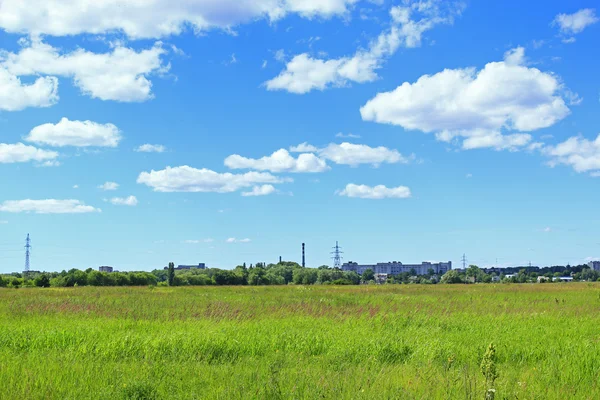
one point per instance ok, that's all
(337, 258)
(27, 252)
(464, 261)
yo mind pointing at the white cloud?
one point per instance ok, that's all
(469, 175)
(581, 154)
(109, 186)
(234, 240)
(349, 135)
(75, 186)
(477, 105)
(151, 148)
(19, 152)
(75, 133)
(194, 241)
(16, 96)
(575, 23)
(377, 192)
(279, 161)
(263, 190)
(303, 148)
(355, 154)
(547, 229)
(48, 206)
(303, 73)
(120, 75)
(124, 201)
(188, 179)
(152, 18)
(3, 222)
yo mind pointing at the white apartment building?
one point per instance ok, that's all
(396, 267)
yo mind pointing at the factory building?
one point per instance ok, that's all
(396, 268)
(105, 269)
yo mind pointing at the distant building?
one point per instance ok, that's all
(381, 278)
(183, 267)
(105, 269)
(396, 268)
(594, 265)
(563, 278)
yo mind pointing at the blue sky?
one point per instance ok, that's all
(233, 131)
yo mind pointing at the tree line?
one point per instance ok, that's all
(283, 273)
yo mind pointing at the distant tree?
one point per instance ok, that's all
(452, 276)
(412, 272)
(324, 267)
(474, 272)
(42, 281)
(368, 275)
(430, 272)
(171, 274)
(352, 277)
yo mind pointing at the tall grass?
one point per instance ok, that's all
(297, 342)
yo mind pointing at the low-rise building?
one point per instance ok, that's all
(396, 268)
(563, 278)
(105, 269)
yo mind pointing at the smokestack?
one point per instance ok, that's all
(279, 259)
(303, 259)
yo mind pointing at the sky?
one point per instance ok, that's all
(134, 133)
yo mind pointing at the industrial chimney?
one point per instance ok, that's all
(303, 259)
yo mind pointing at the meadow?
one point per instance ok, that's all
(300, 342)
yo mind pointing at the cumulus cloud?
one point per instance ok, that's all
(151, 148)
(481, 106)
(75, 133)
(581, 154)
(343, 154)
(188, 179)
(355, 154)
(16, 96)
(303, 148)
(124, 201)
(262, 190)
(109, 186)
(121, 75)
(48, 206)
(376, 193)
(19, 152)
(152, 19)
(572, 24)
(279, 161)
(304, 73)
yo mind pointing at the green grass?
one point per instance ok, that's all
(295, 342)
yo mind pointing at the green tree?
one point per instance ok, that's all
(171, 274)
(452, 276)
(368, 275)
(42, 280)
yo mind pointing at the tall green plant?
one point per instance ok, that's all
(488, 369)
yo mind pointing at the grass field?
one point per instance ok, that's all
(295, 342)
